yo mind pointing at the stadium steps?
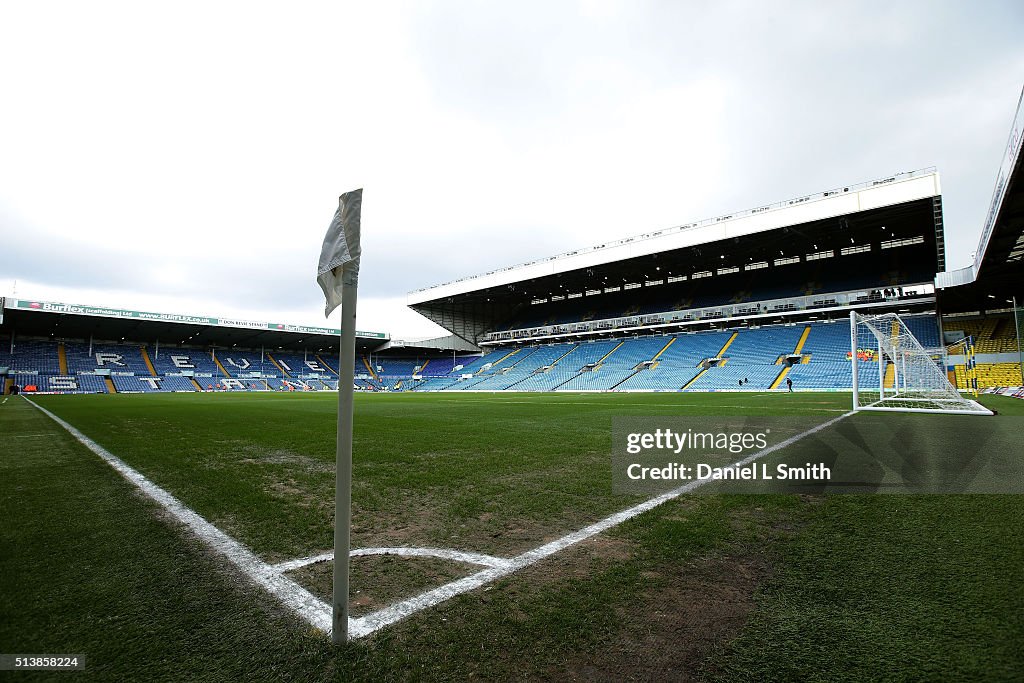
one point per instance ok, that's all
(723, 361)
(605, 356)
(518, 360)
(146, 359)
(778, 380)
(517, 382)
(573, 348)
(62, 358)
(581, 371)
(635, 371)
(999, 329)
(664, 348)
(423, 367)
(221, 366)
(560, 384)
(369, 369)
(697, 376)
(278, 365)
(505, 357)
(477, 379)
(327, 365)
(195, 384)
(728, 343)
(266, 384)
(796, 352)
(803, 340)
(8, 383)
(111, 389)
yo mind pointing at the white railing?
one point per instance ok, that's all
(765, 308)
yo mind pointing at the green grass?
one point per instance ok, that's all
(879, 586)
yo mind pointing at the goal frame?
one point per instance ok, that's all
(928, 392)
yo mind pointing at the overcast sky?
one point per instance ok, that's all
(187, 157)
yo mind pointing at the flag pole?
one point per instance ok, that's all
(343, 477)
(338, 277)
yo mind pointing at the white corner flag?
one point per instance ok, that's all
(339, 257)
(338, 276)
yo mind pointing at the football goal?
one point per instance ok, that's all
(893, 371)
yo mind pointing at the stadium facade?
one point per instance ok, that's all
(752, 300)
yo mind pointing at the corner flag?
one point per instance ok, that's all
(339, 256)
(338, 276)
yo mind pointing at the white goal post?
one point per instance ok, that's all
(892, 371)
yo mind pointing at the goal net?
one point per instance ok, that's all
(893, 371)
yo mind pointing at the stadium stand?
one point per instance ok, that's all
(991, 335)
(302, 365)
(815, 355)
(174, 361)
(243, 363)
(679, 362)
(574, 359)
(149, 384)
(119, 358)
(617, 362)
(32, 356)
(287, 384)
(64, 384)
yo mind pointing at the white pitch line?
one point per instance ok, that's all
(291, 565)
(292, 595)
(443, 553)
(368, 624)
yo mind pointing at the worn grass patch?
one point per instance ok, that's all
(377, 581)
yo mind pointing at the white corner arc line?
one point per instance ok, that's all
(443, 553)
(368, 624)
(292, 595)
(403, 551)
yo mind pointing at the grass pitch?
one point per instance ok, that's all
(732, 587)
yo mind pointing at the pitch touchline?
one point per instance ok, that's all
(316, 611)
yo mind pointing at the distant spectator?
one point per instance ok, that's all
(15, 390)
(789, 383)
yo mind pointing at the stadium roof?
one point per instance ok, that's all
(67, 321)
(997, 273)
(902, 205)
(888, 191)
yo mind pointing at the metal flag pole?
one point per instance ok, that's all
(343, 478)
(338, 276)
